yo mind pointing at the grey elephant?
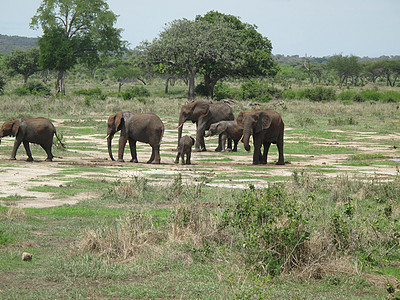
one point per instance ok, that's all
(227, 129)
(266, 127)
(30, 130)
(185, 148)
(204, 114)
(147, 128)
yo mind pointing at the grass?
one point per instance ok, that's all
(159, 231)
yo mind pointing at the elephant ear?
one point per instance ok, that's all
(118, 120)
(240, 118)
(15, 127)
(221, 127)
(200, 109)
(264, 121)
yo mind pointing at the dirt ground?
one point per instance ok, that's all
(19, 177)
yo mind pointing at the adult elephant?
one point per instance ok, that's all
(204, 114)
(146, 128)
(30, 130)
(266, 127)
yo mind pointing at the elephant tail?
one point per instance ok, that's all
(61, 143)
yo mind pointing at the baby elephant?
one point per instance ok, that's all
(185, 147)
(227, 129)
(36, 130)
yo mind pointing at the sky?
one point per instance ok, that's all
(315, 28)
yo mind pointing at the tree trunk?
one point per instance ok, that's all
(166, 84)
(191, 75)
(60, 87)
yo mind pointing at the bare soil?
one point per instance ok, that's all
(19, 177)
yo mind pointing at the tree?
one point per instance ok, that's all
(75, 31)
(25, 63)
(249, 55)
(345, 67)
(125, 73)
(213, 46)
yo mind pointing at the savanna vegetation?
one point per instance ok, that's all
(325, 227)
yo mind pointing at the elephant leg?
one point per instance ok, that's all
(235, 146)
(17, 142)
(121, 147)
(257, 152)
(279, 144)
(201, 130)
(28, 151)
(265, 153)
(155, 155)
(221, 143)
(132, 146)
(47, 148)
(188, 155)
(177, 157)
(229, 143)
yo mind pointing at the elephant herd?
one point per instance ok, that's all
(266, 127)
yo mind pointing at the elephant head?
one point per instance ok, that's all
(253, 122)
(192, 111)
(217, 128)
(10, 128)
(114, 124)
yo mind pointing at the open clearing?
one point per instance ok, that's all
(86, 157)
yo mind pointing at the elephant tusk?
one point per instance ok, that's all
(107, 137)
(180, 126)
(241, 138)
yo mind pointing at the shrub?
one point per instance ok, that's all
(222, 91)
(347, 95)
(370, 95)
(88, 92)
(2, 84)
(135, 91)
(391, 97)
(259, 91)
(320, 93)
(270, 229)
(32, 88)
(289, 94)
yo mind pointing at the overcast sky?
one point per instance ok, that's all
(313, 27)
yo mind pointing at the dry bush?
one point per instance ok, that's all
(13, 213)
(126, 237)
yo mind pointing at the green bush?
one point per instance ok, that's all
(347, 95)
(88, 92)
(135, 91)
(269, 227)
(32, 88)
(390, 96)
(289, 94)
(320, 93)
(370, 95)
(258, 91)
(2, 84)
(222, 91)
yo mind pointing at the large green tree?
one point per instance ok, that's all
(249, 54)
(345, 67)
(75, 31)
(214, 45)
(25, 63)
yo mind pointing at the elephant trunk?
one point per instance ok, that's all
(246, 138)
(109, 140)
(180, 127)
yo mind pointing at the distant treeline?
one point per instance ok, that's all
(10, 43)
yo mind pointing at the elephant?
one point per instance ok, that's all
(204, 114)
(227, 129)
(185, 147)
(147, 128)
(30, 130)
(266, 127)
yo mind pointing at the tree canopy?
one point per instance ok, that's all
(25, 63)
(75, 30)
(216, 45)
